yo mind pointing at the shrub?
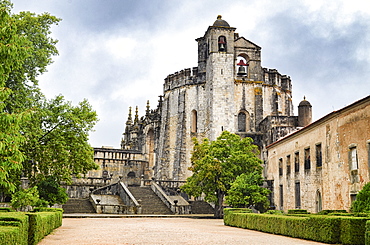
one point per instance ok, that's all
(278, 212)
(328, 211)
(41, 224)
(297, 211)
(25, 197)
(6, 209)
(362, 202)
(9, 235)
(321, 228)
(16, 220)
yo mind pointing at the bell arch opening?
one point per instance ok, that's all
(242, 64)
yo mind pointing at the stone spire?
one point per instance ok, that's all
(147, 108)
(136, 115)
(129, 119)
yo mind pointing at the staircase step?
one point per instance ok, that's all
(78, 205)
(201, 207)
(150, 202)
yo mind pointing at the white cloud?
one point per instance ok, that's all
(117, 53)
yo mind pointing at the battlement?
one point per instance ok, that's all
(274, 78)
(182, 78)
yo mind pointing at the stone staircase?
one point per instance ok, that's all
(77, 205)
(150, 202)
(201, 207)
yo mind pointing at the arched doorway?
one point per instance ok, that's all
(318, 201)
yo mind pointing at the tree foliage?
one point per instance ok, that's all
(45, 140)
(247, 191)
(216, 165)
(14, 50)
(362, 202)
(25, 197)
(56, 142)
(51, 192)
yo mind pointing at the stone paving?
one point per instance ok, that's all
(155, 231)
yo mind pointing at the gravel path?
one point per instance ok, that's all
(159, 231)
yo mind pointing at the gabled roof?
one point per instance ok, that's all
(243, 42)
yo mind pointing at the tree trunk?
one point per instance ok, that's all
(219, 211)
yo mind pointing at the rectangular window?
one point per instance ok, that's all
(297, 195)
(288, 165)
(280, 166)
(318, 156)
(353, 163)
(281, 198)
(307, 159)
(296, 162)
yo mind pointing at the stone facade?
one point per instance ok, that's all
(128, 166)
(323, 165)
(228, 90)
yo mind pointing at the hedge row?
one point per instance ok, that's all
(367, 233)
(27, 228)
(321, 228)
(16, 220)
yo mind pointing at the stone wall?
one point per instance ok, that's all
(325, 179)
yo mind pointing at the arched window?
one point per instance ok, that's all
(243, 121)
(131, 174)
(194, 121)
(222, 44)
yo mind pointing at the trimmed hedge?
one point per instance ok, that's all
(27, 228)
(328, 229)
(9, 235)
(297, 211)
(44, 209)
(367, 233)
(6, 209)
(19, 220)
(41, 224)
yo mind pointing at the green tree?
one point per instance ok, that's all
(216, 164)
(362, 202)
(51, 192)
(45, 140)
(26, 197)
(35, 30)
(247, 191)
(14, 49)
(56, 146)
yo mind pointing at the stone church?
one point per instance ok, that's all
(228, 90)
(312, 166)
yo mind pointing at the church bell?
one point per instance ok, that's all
(242, 70)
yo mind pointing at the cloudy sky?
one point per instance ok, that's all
(116, 53)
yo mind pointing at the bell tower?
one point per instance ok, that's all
(216, 69)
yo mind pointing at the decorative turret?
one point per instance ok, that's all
(304, 113)
(129, 119)
(147, 108)
(136, 121)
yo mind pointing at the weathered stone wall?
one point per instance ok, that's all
(331, 184)
(114, 165)
(216, 94)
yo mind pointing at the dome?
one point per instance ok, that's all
(220, 22)
(304, 102)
